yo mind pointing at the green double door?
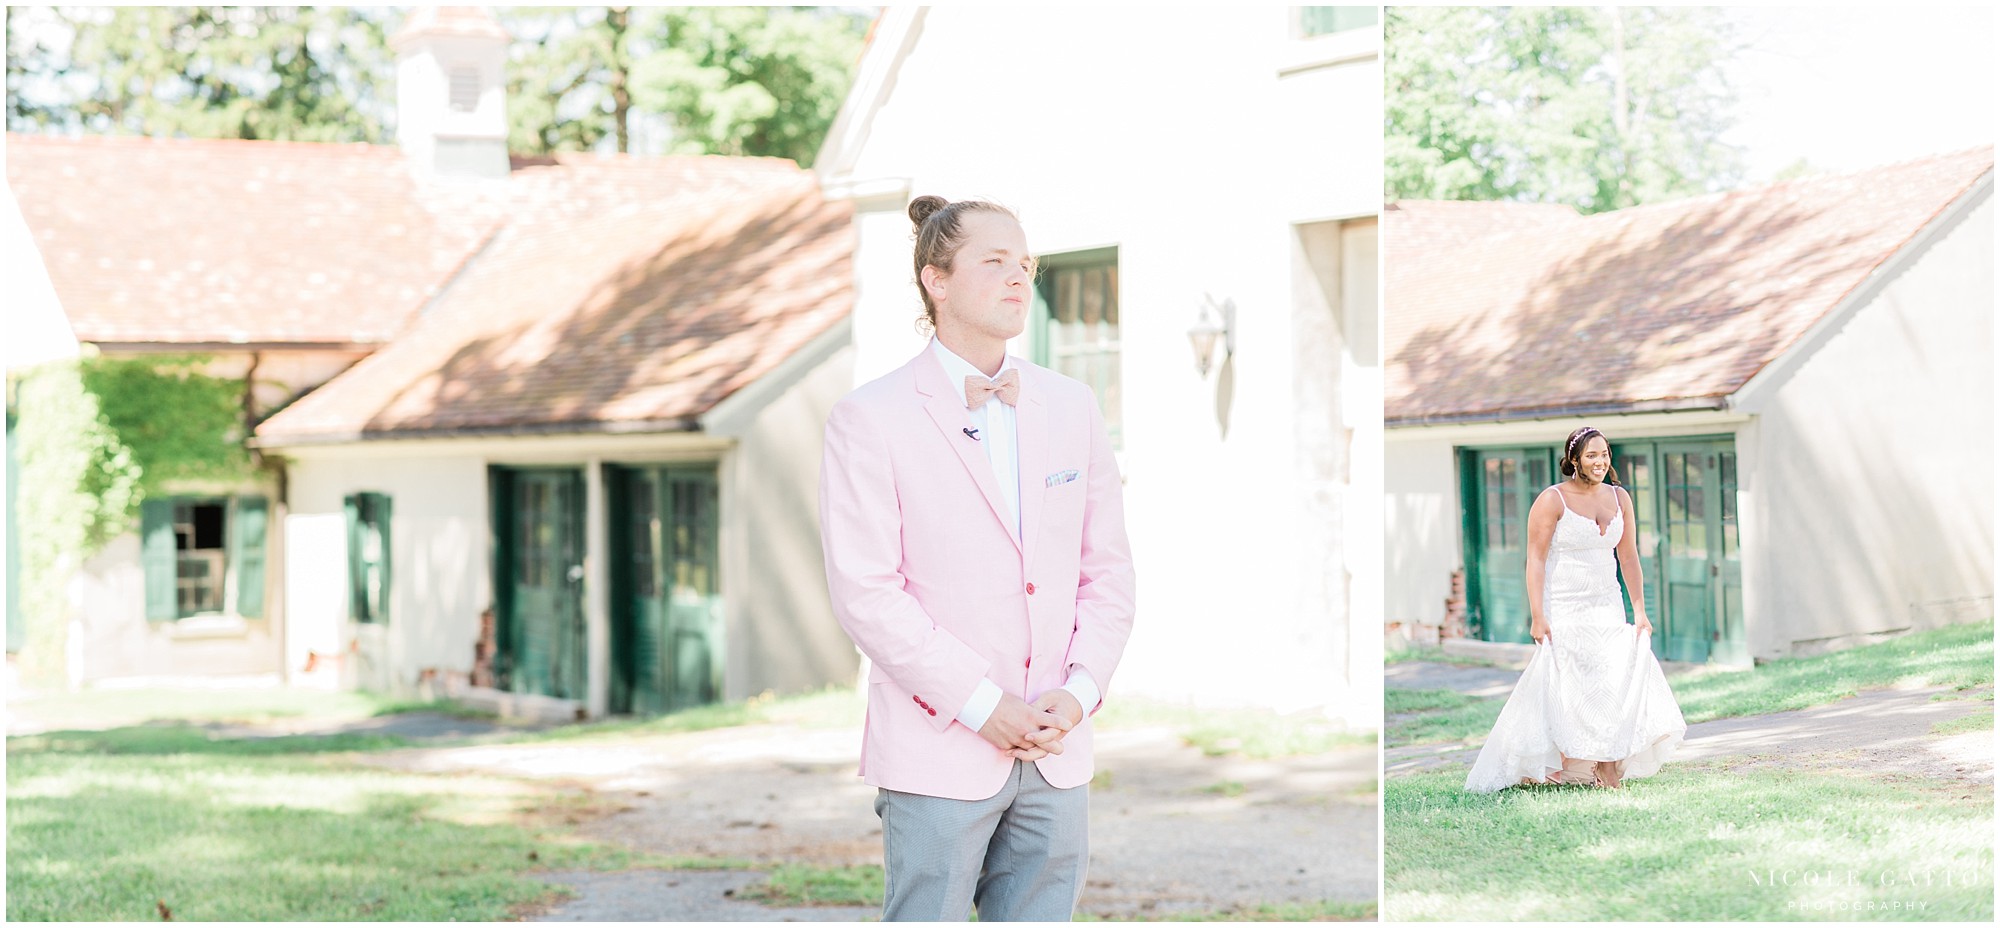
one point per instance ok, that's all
(666, 604)
(538, 581)
(1684, 497)
(1689, 545)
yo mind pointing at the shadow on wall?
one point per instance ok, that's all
(1867, 560)
(1225, 394)
(1618, 313)
(792, 632)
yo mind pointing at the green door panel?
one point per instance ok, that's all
(252, 515)
(1688, 498)
(539, 566)
(1731, 644)
(1638, 472)
(667, 629)
(693, 589)
(1502, 485)
(158, 557)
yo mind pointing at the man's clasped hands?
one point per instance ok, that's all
(1032, 730)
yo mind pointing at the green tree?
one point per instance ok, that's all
(744, 81)
(561, 72)
(725, 80)
(1599, 108)
(733, 81)
(289, 73)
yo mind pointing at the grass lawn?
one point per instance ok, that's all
(1431, 655)
(799, 884)
(111, 708)
(1960, 656)
(144, 821)
(1697, 842)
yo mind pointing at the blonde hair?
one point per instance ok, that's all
(940, 233)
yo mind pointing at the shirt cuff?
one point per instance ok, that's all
(980, 707)
(1083, 688)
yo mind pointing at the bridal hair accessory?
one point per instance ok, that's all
(1580, 435)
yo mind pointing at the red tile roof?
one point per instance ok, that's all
(624, 292)
(204, 241)
(1505, 310)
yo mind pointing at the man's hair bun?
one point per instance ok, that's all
(923, 207)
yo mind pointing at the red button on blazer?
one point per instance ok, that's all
(1031, 589)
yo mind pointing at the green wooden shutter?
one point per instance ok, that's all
(380, 523)
(157, 556)
(251, 516)
(357, 572)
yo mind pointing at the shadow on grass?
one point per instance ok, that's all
(1689, 844)
(185, 738)
(206, 838)
(1959, 656)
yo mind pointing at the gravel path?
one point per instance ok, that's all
(1171, 829)
(676, 896)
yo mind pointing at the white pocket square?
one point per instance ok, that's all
(1060, 477)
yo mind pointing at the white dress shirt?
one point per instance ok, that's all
(994, 422)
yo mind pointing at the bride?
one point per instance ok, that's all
(1592, 705)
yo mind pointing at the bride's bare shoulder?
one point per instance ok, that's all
(1548, 501)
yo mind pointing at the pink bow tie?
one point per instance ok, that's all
(979, 389)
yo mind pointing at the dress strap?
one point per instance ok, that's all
(1559, 494)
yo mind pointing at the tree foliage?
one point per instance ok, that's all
(1599, 108)
(705, 80)
(286, 73)
(96, 436)
(722, 80)
(741, 81)
(568, 78)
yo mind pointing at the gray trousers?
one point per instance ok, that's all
(1018, 856)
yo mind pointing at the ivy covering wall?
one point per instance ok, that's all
(94, 436)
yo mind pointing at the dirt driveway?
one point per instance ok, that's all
(1172, 830)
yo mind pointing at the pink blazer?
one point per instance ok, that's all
(928, 579)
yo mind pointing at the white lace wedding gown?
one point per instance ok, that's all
(1596, 692)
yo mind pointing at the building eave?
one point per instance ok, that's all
(896, 33)
(1543, 413)
(525, 430)
(216, 347)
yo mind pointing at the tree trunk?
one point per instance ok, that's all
(619, 18)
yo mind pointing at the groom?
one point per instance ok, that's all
(974, 533)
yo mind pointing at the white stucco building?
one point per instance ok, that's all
(1160, 164)
(581, 395)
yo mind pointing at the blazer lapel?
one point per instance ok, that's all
(1031, 438)
(947, 410)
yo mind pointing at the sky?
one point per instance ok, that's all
(1849, 88)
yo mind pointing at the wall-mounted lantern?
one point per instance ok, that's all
(1216, 323)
